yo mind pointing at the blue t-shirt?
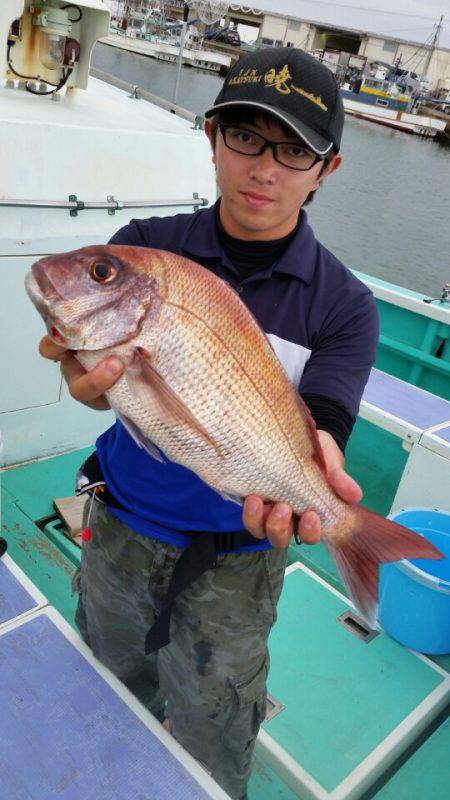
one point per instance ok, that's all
(323, 325)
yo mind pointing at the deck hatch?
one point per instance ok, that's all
(357, 626)
(273, 707)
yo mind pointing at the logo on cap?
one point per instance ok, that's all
(276, 80)
(279, 80)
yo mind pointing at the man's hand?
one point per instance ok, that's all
(277, 521)
(86, 387)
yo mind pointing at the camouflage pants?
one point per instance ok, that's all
(210, 681)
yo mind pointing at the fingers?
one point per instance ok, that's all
(280, 525)
(48, 349)
(344, 485)
(253, 516)
(274, 520)
(309, 527)
(338, 479)
(86, 387)
(89, 387)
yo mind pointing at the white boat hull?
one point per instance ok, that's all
(194, 57)
(401, 120)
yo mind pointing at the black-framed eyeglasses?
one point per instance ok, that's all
(249, 143)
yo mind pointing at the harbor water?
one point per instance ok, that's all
(385, 212)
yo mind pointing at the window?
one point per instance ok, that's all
(294, 26)
(271, 42)
(389, 47)
(380, 101)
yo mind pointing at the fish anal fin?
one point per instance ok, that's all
(148, 381)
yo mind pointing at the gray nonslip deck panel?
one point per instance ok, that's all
(14, 598)
(67, 734)
(406, 402)
(444, 434)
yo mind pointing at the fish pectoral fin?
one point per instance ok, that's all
(137, 436)
(149, 386)
(232, 498)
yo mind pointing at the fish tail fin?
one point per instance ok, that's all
(374, 540)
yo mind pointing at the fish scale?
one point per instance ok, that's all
(202, 382)
(251, 435)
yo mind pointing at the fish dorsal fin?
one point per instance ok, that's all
(312, 434)
(149, 386)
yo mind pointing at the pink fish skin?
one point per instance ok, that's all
(202, 382)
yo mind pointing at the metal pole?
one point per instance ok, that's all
(432, 47)
(180, 54)
(180, 61)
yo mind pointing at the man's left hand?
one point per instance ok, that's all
(277, 520)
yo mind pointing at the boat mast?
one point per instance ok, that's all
(432, 46)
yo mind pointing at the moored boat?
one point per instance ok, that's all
(167, 48)
(380, 100)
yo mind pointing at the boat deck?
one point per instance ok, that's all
(390, 689)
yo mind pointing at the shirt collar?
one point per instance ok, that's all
(201, 240)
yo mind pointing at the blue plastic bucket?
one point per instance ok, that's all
(414, 596)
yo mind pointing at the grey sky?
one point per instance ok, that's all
(406, 19)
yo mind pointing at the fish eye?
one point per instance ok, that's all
(101, 272)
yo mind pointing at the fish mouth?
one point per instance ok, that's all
(35, 293)
(42, 303)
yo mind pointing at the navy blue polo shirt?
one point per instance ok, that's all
(323, 325)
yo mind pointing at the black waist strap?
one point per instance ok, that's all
(193, 562)
(198, 557)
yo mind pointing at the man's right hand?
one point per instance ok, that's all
(86, 387)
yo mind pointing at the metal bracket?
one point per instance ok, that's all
(134, 93)
(80, 205)
(111, 199)
(203, 201)
(445, 296)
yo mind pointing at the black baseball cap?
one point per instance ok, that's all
(291, 85)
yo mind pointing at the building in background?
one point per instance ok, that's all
(427, 57)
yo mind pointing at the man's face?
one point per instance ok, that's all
(261, 198)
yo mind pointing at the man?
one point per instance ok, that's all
(275, 132)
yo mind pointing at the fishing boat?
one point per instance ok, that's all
(167, 48)
(351, 712)
(381, 100)
(147, 32)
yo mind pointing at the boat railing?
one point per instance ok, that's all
(422, 421)
(111, 204)
(137, 93)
